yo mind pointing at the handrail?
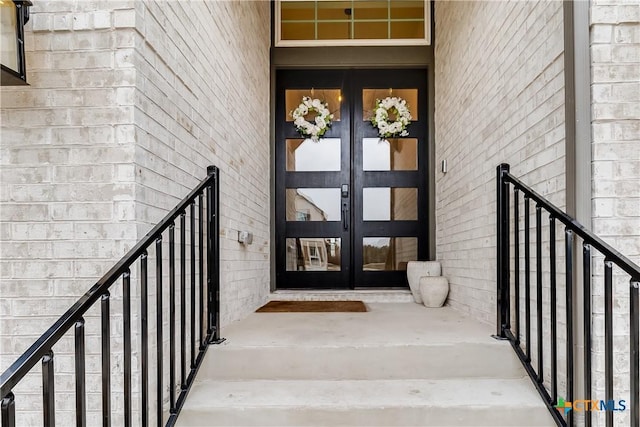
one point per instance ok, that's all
(42, 348)
(590, 241)
(606, 249)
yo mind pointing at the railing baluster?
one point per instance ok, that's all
(106, 360)
(159, 343)
(586, 284)
(516, 259)
(80, 369)
(183, 304)
(48, 391)
(201, 298)
(608, 334)
(210, 222)
(214, 216)
(527, 277)
(172, 319)
(506, 290)
(193, 285)
(126, 324)
(568, 237)
(503, 320)
(8, 409)
(144, 347)
(539, 292)
(552, 298)
(634, 353)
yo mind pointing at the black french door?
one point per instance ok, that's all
(351, 209)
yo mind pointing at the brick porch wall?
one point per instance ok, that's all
(67, 189)
(615, 91)
(499, 98)
(202, 98)
(128, 103)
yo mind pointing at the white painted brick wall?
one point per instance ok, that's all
(499, 98)
(202, 98)
(63, 190)
(128, 104)
(615, 91)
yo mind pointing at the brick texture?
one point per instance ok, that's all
(62, 191)
(128, 103)
(499, 98)
(615, 92)
(202, 98)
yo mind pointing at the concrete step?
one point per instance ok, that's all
(364, 295)
(398, 364)
(451, 402)
(452, 360)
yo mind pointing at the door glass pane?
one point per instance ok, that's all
(313, 204)
(293, 98)
(313, 254)
(369, 97)
(304, 155)
(389, 204)
(395, 154)
(388, 253)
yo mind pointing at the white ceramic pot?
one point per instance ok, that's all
(434, 291)
(417, 269)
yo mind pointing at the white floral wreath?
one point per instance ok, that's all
(380, 119)
(321, 122)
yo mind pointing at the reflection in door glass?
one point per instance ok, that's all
(395, 154)
(332, 97)
(313, 254)
(313, 204)
(304, 155)
(369, 97)
(389, 204)
(388, 253)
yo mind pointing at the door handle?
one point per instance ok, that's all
(345, 216)
(344, 190)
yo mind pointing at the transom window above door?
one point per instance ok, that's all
(352, 22)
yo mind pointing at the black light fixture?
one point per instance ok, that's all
(13, 15)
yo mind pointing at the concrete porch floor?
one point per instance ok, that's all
(397, 364)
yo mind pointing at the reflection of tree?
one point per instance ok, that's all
(375, 254)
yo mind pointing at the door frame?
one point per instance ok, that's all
(351, 164)
(355, 57)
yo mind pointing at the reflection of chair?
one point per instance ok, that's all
(314, 253)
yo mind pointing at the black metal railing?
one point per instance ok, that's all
(203, 296)
(508, 261)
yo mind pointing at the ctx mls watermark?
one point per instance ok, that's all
(590, 405)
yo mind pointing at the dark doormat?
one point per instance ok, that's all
(313, 307)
